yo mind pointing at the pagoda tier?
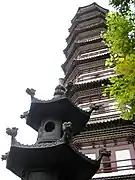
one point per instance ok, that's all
(109, 133)
(93, 37)
(40, 108)
(86, 63)
(86, 94)
(23, 159)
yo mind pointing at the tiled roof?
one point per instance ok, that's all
(88, 8)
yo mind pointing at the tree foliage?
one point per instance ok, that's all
(120, 38)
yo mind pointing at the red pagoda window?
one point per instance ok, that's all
(123, 158)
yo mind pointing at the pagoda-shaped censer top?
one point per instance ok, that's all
(53, 156)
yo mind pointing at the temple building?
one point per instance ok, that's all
(85, 67)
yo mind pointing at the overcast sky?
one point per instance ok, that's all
(32, 39)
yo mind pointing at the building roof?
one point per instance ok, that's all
(85, 9)
(60, 157)
(61, 109)
(107, 124)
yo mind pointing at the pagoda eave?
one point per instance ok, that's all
(77, 44)
(79, 62)
(109, 131)
(89, 85)
(39, 110)
(90, 7)
(73, 26)
(22, 159)
(84, 60)
(83, 29)
(107, 124)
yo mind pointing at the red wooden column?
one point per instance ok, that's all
(113, 160)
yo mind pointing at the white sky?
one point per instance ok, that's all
(32, 39)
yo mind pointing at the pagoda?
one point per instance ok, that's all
(53, 156)
(85, 68)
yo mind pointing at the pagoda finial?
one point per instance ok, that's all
(63, 90)
(60, 89)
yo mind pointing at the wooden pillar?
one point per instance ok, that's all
(113, 160)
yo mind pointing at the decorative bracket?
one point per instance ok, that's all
(5, 156)
(24, 115)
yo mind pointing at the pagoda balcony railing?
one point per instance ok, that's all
(102, 115)
(88, 39)
(103, 110)
(93, 54)
(127, 166)
(107, 107)
(94, 76)
(98, 101)
(70, 48)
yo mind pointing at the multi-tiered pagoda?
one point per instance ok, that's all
(85, 67)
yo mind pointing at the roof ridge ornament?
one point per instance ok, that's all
(31, 92)
(13, 133)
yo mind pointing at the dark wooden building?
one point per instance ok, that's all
(85, 67)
